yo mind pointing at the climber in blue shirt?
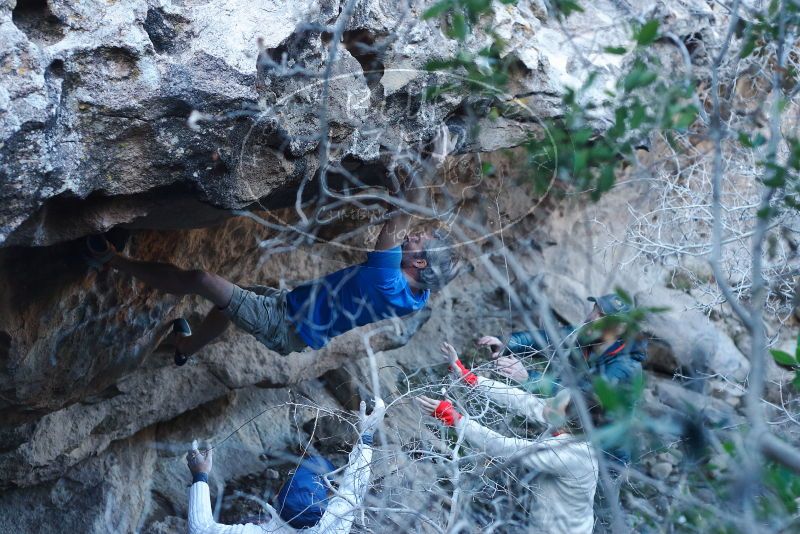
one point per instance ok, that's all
(384, 286)
(396, 280)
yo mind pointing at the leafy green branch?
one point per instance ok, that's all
(785, 359)
(575, 152)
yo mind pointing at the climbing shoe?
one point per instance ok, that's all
(181, 328)
(98, 251)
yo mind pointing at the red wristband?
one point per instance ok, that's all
(446, 413)
(469, 377)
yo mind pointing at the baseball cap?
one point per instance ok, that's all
(611, 304)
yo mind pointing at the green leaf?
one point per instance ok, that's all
(565, 8)
(638, 116)
(581, 136)
(748, 142)
(620, 115)
(647, 34)
(783, 358)
(686, 117)
(624, 295)
(797, 349)
(475, 8)
(778, 176)
(434, 91)
(671, 139)
(609, 397)
(765, 213)
(603, 152)
(618, 50)
(581, 160)
(438, 64)
(647, 78)
(589, 81)
(748, 47)
(459, 27)
(606, 180)
(639, 76)
(745, 140)
(792, 202)
(437, 9)
(796, 381)
(637, 385)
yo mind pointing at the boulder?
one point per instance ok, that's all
(689, 343)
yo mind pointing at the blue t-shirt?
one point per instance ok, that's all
(355, 296)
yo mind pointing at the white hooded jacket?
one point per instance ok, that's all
(566, 465)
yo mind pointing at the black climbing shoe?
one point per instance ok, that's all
(98, 251)
(181, 328)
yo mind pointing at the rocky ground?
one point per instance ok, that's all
(94, 105)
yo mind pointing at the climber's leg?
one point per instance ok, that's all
(172, 279)
(215, 323)
(261, 311)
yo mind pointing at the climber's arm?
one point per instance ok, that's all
(341, 510)
(396, 228)
(520, 401)
(201, 521)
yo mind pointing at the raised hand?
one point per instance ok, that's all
(457, 369)
(442, 410)
(427, 404)
(555, 410)
(511, 367)
(449, 352)
(494, 345)
(368, 424)
(199, 461)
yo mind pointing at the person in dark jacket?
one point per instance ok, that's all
(606, 349)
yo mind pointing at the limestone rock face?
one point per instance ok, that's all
(95, 97)
(95, 106)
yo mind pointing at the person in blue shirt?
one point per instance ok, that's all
(394, 281)
(607, 351)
